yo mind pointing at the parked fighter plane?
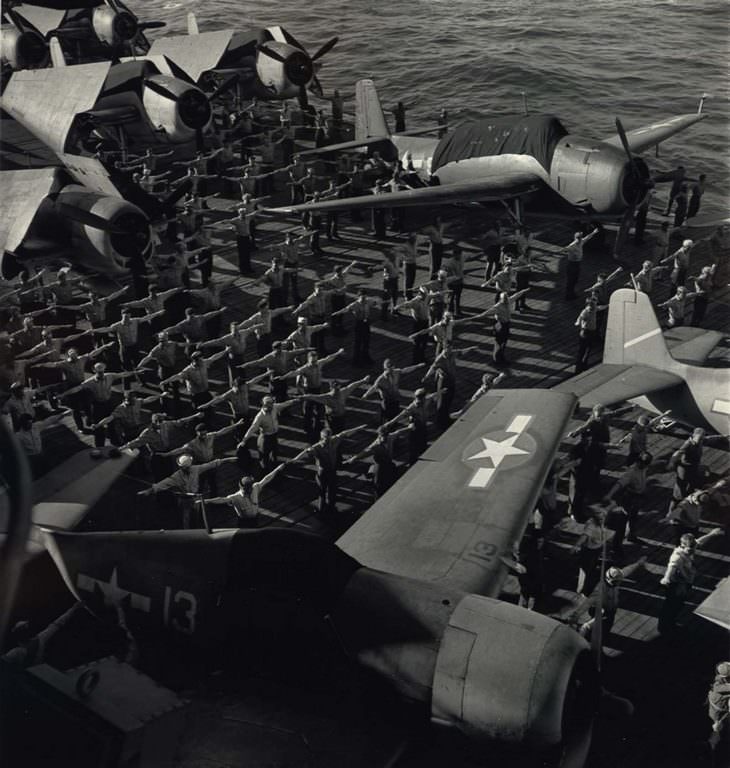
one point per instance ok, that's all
(409, 591)
(268, 63)
(134, 104)
(657, 371)
(88, 30)
(507, 158)
(45, 216)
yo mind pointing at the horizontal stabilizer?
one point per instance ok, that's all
(607, 384)
(692, 345)
(342, 146)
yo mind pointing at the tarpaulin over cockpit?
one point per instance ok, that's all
(534, 135)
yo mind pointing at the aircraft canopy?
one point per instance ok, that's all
(534, 135)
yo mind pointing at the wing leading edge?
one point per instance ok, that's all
(502, 187)
(467, 501)
(650, 135)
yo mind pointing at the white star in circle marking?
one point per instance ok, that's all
(498, 450)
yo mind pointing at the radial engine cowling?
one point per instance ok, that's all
(178, 108)
(114, 27)
(492, 670)
(287, 75)
(510, 675)
(597, 176)
(109, 250)
(23, 50)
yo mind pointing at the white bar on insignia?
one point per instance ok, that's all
(140, 602)
(481, 477)
(519, 423)
(641, 338)
(721, 406)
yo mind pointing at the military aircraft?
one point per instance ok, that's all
(505, 158)
(88, 30)
(45, 216)
(410, 591)
(22, 45)
(132, 104)
(60, 499)
(268, 63)
(659, 371)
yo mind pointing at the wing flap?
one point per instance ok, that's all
(467, 500)
(651, 135)
(692, 345)
(196, 53)
(46, 101)
(502, 187)
(609, 383)
(23, 192)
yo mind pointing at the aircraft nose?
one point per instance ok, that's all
(194, 109)
(636, 181)
(298, 67)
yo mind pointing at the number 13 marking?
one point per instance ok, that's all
(185, 605)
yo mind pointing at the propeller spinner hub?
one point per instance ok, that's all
(636, 181)
(298, 67)
(125, 26)
(194, 109)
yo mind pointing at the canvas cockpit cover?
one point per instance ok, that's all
(534, 135)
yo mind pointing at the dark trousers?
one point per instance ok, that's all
(390, 295)
(268, 448)
(332, 225)
(435, 311)
(585, 343)
(99, 411)
(417, 441)
(674, 597)
(263, 344)
(455, 301)
(522, 279)
(361, 346)
(313, 413)
(244, 246)
(278, 389)
(389, 410)
(338, 302)
(699, 309)
(420, 342)
(572, 274)
(291, 283)
(378, 222)
(410, 276)
(501, 337)
(78, 403)
(327, 484)
(436, 251)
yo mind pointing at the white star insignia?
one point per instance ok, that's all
(498, 450)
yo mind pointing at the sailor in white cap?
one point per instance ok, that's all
(185, 482)
(265, 427)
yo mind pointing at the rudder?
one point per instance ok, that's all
(369, 118)
(633, 334)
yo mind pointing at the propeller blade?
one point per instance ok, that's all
(328, 46)
(292, 40)
(316, 87)
(88, 219)
(199, 143)
(224, 86)
(625, 144)
(157, 88)
(303, 98)
(151, 25)
(271, 53)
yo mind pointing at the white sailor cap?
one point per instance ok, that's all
(99, 367)
(186, 460)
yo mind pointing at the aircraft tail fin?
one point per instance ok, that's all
(633, 333)
(369, 118)
(57, 57)
(193, 24)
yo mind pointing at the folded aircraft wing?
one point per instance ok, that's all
(22, 194)
(502, 187)
(194, 54)
(716, 607)
(63, 496)
(610, 383)
(467, 500)
(47, 101)
(651, 135)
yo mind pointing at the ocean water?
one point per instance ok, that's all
(586, 62)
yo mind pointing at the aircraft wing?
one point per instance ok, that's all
(22, 194)
(716, 607)
(90, 172)
(46, 101)
(651, 135)
(467, 500)
(691, 345)
(63, 496)
(44, 19)
(610, 383)
(502, 187)
(194, 54)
